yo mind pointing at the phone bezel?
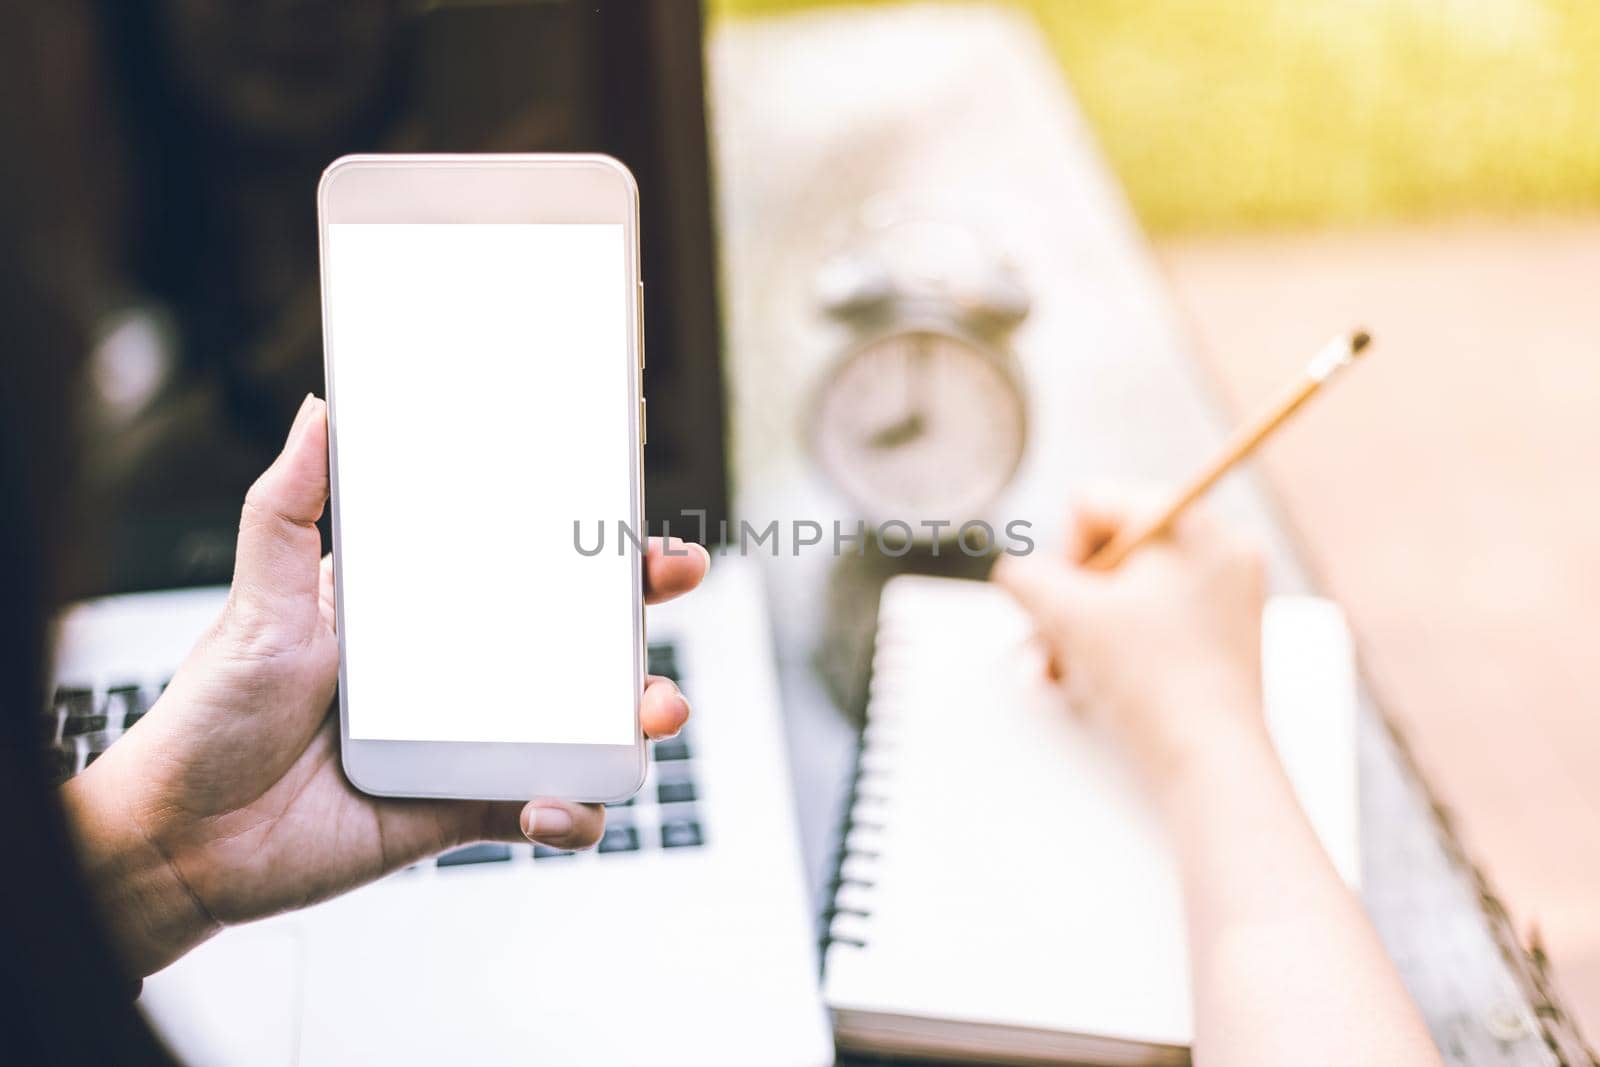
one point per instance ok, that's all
(532, 188)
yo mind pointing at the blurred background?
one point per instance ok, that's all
(1229, 116)
(1428, 169)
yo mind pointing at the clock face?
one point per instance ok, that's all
(920, 426)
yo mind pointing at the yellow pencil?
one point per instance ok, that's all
(1334, 357)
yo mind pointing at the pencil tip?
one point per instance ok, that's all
(1358, 341)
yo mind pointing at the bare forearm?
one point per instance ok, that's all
(149, 912)
(1286, 967)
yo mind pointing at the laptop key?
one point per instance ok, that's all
(677, 792)
(620, 839)
(82, 724)
(487, 853)
(74, 700)
(676, 748)
(681, 833)
(663, 660)
(545, 852)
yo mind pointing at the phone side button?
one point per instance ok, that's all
(644, 423)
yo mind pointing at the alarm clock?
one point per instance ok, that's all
(922, 418)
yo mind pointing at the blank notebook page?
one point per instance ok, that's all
(1003, 867)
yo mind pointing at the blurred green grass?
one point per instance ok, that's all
(1255, 114)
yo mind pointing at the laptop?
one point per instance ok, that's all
(509, 953)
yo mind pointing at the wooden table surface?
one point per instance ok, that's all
(815, 114)
(1447, 500)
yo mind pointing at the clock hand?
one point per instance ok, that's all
(915, 422)
(917, 372)
(898, 433)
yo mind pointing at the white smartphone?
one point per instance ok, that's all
(482, 334)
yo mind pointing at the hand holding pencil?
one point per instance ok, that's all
(1153, 613)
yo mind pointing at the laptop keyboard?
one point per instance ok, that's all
(661, 815)
(82, 722)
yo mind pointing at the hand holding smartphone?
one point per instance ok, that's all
(482, 338)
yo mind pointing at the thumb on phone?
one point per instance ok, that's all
(277, 574)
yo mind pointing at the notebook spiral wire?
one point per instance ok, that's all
(865, 812)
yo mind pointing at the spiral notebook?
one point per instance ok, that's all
(1005, 894)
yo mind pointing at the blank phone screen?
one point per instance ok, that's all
(480, 378)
